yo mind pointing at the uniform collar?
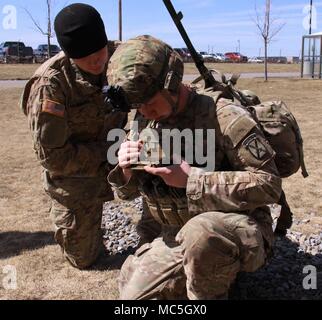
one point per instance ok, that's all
(175, 119)
(87, 80)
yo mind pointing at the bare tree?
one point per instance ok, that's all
(48, 33)
(267, 29)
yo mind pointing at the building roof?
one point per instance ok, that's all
(316, 34)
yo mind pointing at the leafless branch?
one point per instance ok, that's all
(35, 22)
(48, 33)
(275, 31)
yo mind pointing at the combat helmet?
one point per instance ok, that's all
(144, 65)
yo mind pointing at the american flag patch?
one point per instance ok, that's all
(53, 107)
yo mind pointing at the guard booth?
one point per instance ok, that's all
(312, 56)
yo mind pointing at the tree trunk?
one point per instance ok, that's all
(48, 43)
(49, 29)
(266, 68)
(267, 33)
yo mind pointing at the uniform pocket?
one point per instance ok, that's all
(63, 218)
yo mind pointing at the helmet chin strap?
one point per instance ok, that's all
(174, 105)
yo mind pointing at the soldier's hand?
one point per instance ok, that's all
(174, 176)
(128, 155)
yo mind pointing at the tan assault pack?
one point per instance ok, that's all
(280, 128)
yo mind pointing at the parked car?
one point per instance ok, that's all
(255, 60)
(219, 57)
(1, 55)
(184, 54)
(215, 58)
(207, 57)
(277, 59)
(222, 56)
(41, 53)
(15, 51)
(236, 57)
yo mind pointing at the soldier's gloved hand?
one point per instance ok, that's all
(174, 176)
(128, 155)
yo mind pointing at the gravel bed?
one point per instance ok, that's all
(282, 278)
(120, 236)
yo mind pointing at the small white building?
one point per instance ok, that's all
(312, 55)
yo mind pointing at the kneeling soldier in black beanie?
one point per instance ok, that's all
(69, 123)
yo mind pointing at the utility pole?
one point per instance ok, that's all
(311, 7)
(239, 46)
(120, 20)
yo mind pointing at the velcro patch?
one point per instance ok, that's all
(255, 147)
(53, 108)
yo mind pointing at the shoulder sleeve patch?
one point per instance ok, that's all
(54, 108)
(255, 150)
(255, 146)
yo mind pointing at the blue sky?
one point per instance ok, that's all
(213, 25)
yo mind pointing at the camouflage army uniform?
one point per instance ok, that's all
(69, 125)
(217, 226)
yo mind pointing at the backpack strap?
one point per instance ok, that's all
(305, 174)
(299, 139)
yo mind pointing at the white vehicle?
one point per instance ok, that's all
(219, 57)
(255, 60)
(206, 56)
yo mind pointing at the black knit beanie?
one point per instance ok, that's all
(80, 30)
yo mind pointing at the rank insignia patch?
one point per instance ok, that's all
(53, 108)
(255, 147)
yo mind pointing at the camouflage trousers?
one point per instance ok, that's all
(147, 228)
(78, 231)
(200, 260)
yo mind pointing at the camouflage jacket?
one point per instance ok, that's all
(245, 176)
(69, 124)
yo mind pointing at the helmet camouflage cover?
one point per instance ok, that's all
(144, 65)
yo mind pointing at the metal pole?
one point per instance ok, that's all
(320, 58)
(313, 62)
(311, 6)
(302, 64)
(120, 20)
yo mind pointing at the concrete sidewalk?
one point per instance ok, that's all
(189, 77)
(252, 75)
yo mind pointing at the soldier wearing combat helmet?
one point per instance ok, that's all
(69, 122)
(215, 223)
